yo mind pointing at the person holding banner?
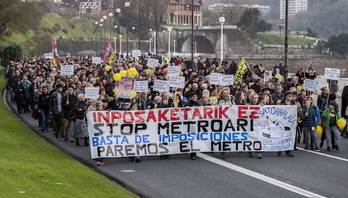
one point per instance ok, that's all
(287, 101)
(192, 103)
(330, 117)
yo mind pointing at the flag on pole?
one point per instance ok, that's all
(55, 60)
(108, 51)
(242, 68)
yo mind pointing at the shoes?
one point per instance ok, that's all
(306, 148)
(132, 159)
(333, 147)
(62, 139)
(328, 148)
(100, 163)
(224, 156)
(137, 160)
(317, 149)
(251, 154)
(289, 155)
(193, 158)
(43, 130)
(279, 153)
(336, 147)
(321, 144)
(259, 156)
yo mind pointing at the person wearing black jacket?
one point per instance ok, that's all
(44, 108)
(56, 101)
(69, 101)
(19, 95)
(79, 129)
(191, 103)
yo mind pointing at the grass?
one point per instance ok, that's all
(31, 167)
(275, 39)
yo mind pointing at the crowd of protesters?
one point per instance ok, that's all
(58, 102)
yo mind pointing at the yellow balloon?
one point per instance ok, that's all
(319, 130)
(341, 123)
(117, 77)
(107, 68)
(115, 91)
(123, 72)
(134, 94)
(132, 72)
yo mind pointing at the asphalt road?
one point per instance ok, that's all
(308, 174)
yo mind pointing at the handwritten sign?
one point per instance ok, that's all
(311, 85)
(125, 88)
(92, 92)
(141, 86)
(67, 70)
(332, 74)
(96, 60)
(227, 80)
(136, 53)
(173, 71)
(161, 86)
(215, 79)
(153, 62)
(177, 81)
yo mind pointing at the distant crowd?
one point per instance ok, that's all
(57, 101)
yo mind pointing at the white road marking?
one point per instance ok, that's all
(323, 154)
(259, 176)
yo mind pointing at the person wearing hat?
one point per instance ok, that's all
(330, 116)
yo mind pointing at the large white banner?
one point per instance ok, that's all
(195, 129)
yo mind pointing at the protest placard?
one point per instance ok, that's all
(177, 81)
(311, 85)
(332, 74)
(136, 53)
(96, 60)
(161, 86)
(92, 92)
(173, 71)
(67, 70)
(153, 62)
(215, 78)
(125, 88)
(141, 86)
(227, 80)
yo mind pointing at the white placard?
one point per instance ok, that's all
(96, 60)
(227, 80)
(136, 53)
(311, 85)
(67, 70)
(177, 81)
(161, 86)
(153, 62)
(173, 71)
(215, 79)
(141, 86)
(332, 74)
(92, 92)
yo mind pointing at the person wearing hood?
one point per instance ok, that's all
(330, 117)
(310, 73)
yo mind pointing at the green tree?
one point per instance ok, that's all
(250, 21)
(338, 44)
(17, 16)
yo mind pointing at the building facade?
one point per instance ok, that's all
(179, 12)
(294, 7)
(264, 10)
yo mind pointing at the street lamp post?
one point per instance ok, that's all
(118, 11)
(115, 39)
(120, 44)
(105, 17)
(127, 4)
(96, 35)
(169, 30)
(139, 25)
(110, 15)
(174, 46)
(150, 43)
(222, 21)
(203, 43)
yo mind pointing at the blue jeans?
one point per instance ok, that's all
(44, 114)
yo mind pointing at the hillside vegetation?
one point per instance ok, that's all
(276, 39)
